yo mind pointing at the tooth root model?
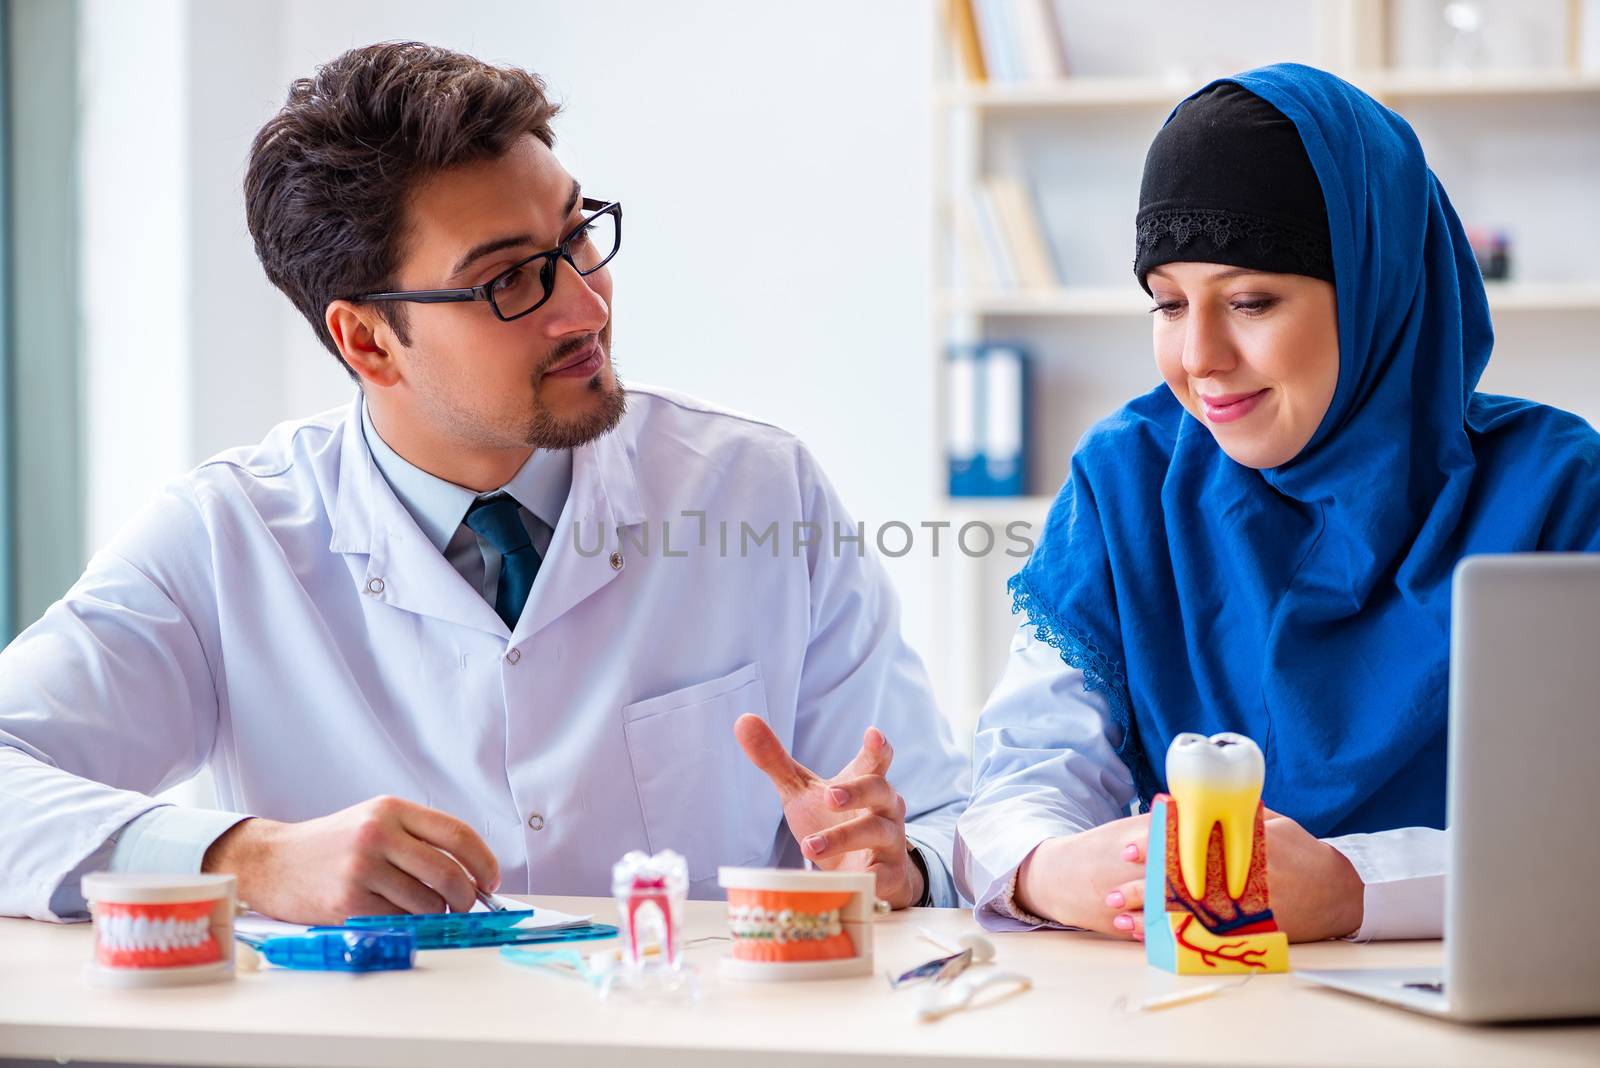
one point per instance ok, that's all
(1206, 906)
(650, 892)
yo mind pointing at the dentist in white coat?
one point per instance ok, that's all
(497, 621)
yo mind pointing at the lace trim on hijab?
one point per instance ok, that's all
(1101, 674)
(1183, 225)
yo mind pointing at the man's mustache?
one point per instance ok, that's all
(567, 349)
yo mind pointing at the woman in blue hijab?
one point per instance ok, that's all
(1264, 544)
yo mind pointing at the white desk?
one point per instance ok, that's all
(469, 1009)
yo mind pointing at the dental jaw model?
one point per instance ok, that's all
(650, 892)
(798, 924)
(1206, 905)
(160, 930)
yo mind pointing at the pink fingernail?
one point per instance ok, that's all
(1123, 922)
(839, 795)
(1130, 852)
(1115, 900)
(815, 843)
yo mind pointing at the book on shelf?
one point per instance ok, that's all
(1024, 232)
(975, 263)
(1010, 237)
(1039, 43)
(986, 441)
(985, 215)
(962, 21)
(1008, 40)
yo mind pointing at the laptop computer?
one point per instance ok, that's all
(1522, 897)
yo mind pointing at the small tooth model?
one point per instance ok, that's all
(1207, 910)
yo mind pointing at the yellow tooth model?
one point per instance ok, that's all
(1206, 905)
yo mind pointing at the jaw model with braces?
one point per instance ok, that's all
(1207, 910)
(769, 925)
(798, 924)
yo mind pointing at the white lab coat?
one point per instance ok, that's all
(278, 615)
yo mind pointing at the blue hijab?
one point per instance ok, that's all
(1308, 606)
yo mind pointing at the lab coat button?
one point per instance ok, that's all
(513, 656)
(375, 586)
(616, 561)
(536, 821)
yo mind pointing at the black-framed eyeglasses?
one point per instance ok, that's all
(528, 283)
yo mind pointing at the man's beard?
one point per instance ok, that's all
(547, 430)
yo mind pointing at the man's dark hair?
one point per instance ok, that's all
(329, 175)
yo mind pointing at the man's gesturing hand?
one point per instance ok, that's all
(381, 856)
(854, 821)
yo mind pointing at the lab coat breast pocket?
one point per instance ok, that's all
(700, 794)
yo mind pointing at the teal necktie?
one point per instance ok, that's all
(498, 521)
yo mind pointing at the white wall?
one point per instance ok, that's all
(182, 345)
(134, 257)
(237, 354)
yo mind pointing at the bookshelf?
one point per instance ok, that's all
(1516, 144)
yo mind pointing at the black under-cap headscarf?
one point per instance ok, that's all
(1228, 181)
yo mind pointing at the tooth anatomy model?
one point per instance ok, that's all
(1206, 905)
(650, 891)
